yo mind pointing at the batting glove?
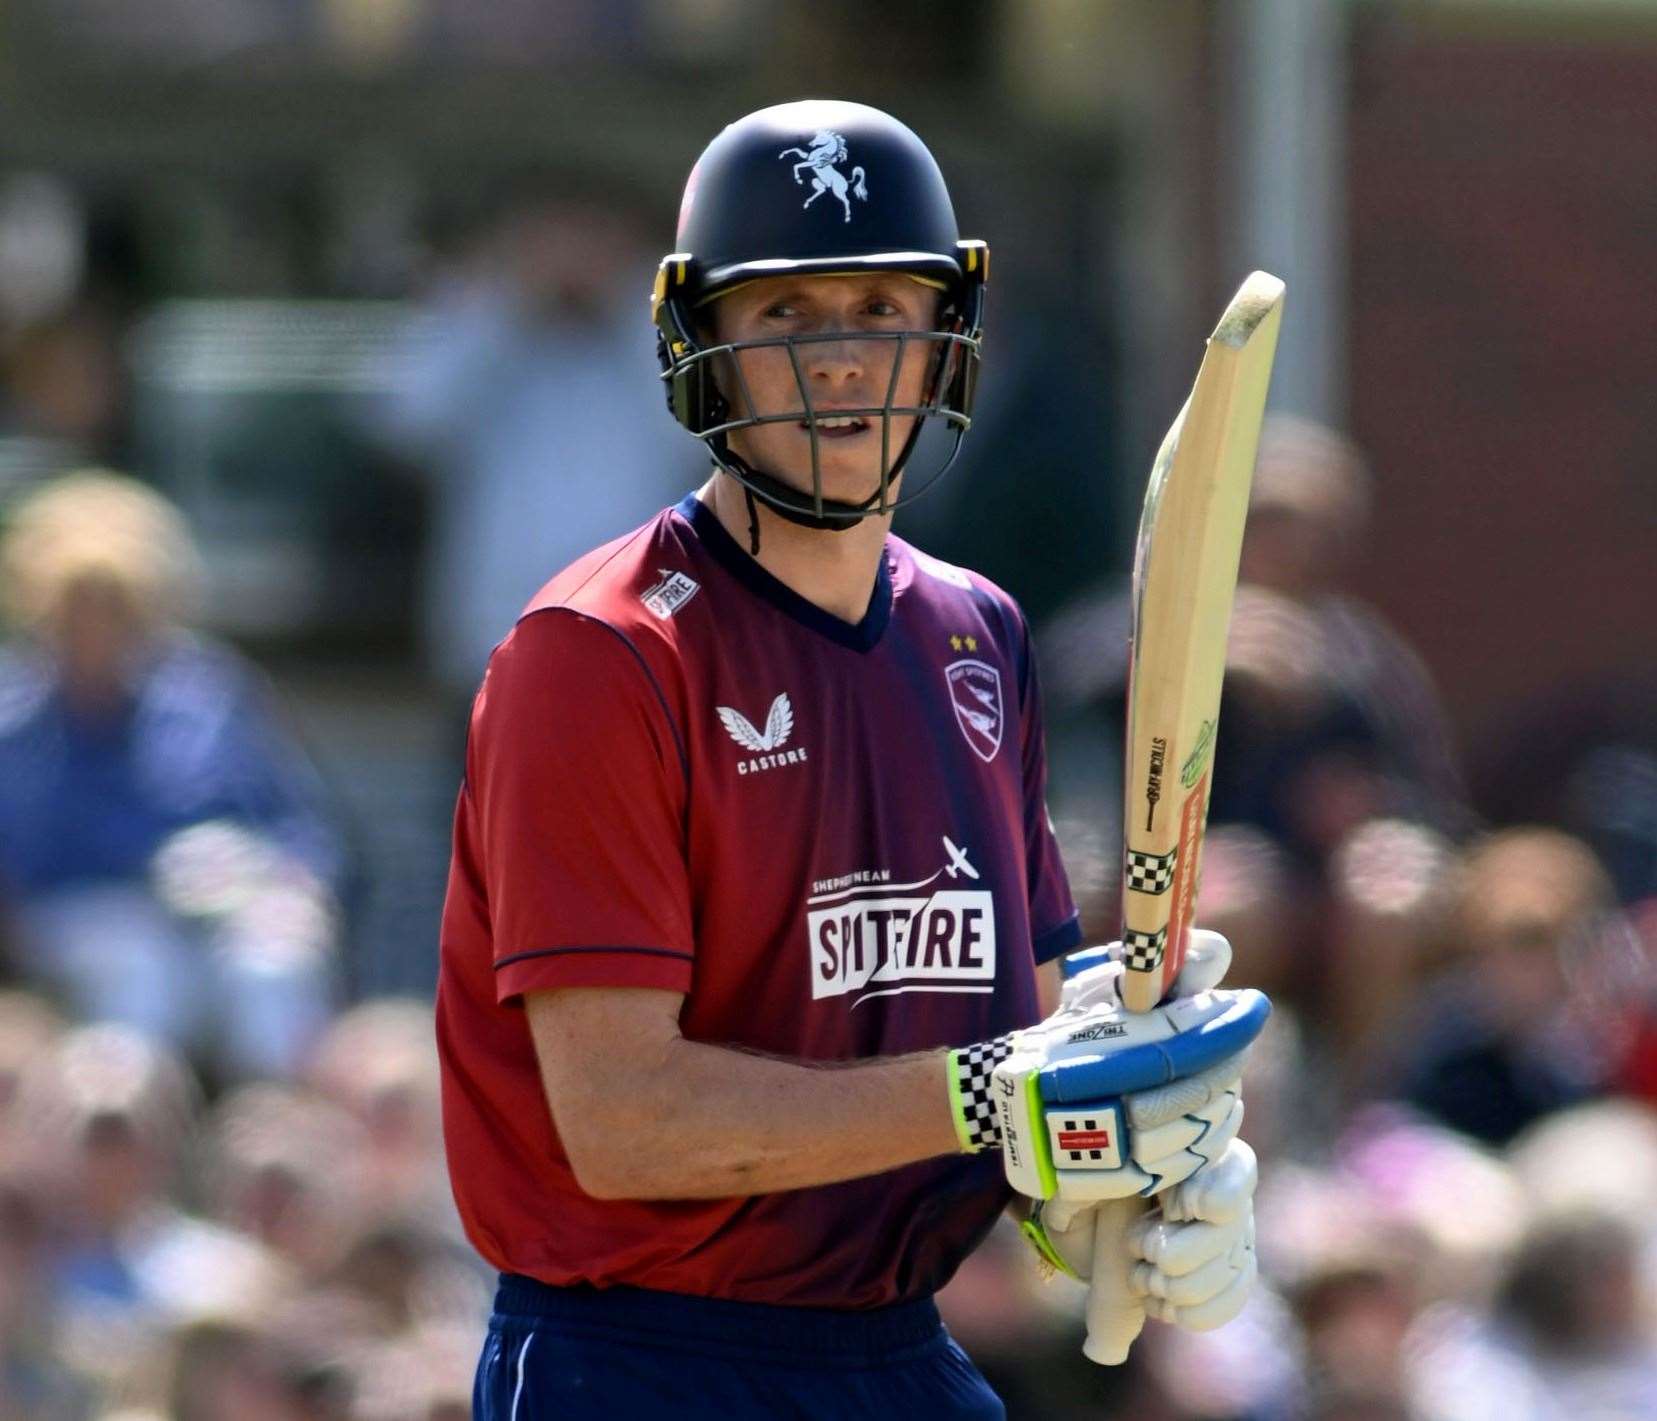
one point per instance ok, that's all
(1100, 1103)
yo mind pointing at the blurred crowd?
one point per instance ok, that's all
(221, 1183)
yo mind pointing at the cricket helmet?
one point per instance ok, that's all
(827, 188)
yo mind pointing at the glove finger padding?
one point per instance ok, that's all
(1149, 1108)
(1200, 1132)
(1200, 1285)
(1194, 1260)
(1207, 960)
(1219, 1194)
(1175, 1168)
(1216, 1311)
(1179, 1249)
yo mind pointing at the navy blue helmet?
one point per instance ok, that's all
(823, 187)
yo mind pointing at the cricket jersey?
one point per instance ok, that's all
(831, 838)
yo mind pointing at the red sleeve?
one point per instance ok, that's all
(577, 783)
(1055, 926)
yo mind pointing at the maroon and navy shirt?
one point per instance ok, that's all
(832, 838)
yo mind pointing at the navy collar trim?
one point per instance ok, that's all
(729, 554)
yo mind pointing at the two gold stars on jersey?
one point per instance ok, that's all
(964, 643)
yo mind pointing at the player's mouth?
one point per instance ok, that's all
(836, 426)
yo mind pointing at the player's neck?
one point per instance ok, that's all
(832, 570)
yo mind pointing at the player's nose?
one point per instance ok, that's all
(835, 361)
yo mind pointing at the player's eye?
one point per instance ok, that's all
(880, 306)
(779, 311)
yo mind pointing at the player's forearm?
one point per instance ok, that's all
(707, 1122)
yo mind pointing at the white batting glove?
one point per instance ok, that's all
(1193, 1259)
(1098, 1102)
(1189, 1263)
(1062, 1230)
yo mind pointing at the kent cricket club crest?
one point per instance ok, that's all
(826, 152)
(975, 692)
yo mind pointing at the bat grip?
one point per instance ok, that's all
(1114, 1314)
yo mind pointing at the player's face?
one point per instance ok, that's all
(845, 373)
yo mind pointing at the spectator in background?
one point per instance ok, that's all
(1382, 929)
(1570, 1335)
(379, 1063)
(163, 855)
(223, 1369)
(285, 1169)
(35, 1384)
(1308, 519)
(111, 1115)
(1510, 1036)
(530, 395)
(64, 386)
(29, 1028)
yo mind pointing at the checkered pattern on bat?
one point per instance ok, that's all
(1143, 951)
(1151, 873)
(973, 1066)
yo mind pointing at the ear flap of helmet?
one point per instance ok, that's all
(973, 257)
(692, 398)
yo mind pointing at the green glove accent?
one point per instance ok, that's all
(1040, 1146)
(1052, 1260)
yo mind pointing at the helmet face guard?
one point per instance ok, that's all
(873, 201)
(709, 393)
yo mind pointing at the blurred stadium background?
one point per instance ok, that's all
(357, 287)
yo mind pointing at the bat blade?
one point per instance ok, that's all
(1185, 573)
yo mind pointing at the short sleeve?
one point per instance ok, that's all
(1055, 925)
(576, 782)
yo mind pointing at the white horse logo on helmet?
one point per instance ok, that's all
(827, 149)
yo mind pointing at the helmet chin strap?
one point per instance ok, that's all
(788, 502)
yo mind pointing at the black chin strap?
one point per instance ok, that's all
(788, 502)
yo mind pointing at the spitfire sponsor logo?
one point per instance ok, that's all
(975, 692)
(768, 743)
(821, 159)
(670, 594)
(880, 939)
(1153, 783)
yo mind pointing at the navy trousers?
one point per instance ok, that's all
(615, 1354)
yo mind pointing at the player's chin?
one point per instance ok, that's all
(851, 458)
(848, 463)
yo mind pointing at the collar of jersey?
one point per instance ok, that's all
(729, 554)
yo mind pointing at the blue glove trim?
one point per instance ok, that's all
(1081, 961)
(1158, 1062)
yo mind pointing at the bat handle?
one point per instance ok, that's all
(1114, 1314)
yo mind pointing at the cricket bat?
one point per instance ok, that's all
(1184, 576)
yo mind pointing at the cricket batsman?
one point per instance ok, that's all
(753, 880)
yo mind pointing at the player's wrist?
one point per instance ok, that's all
(968, 1071)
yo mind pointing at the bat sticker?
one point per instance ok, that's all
(1153, 782)
(1192, 768)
